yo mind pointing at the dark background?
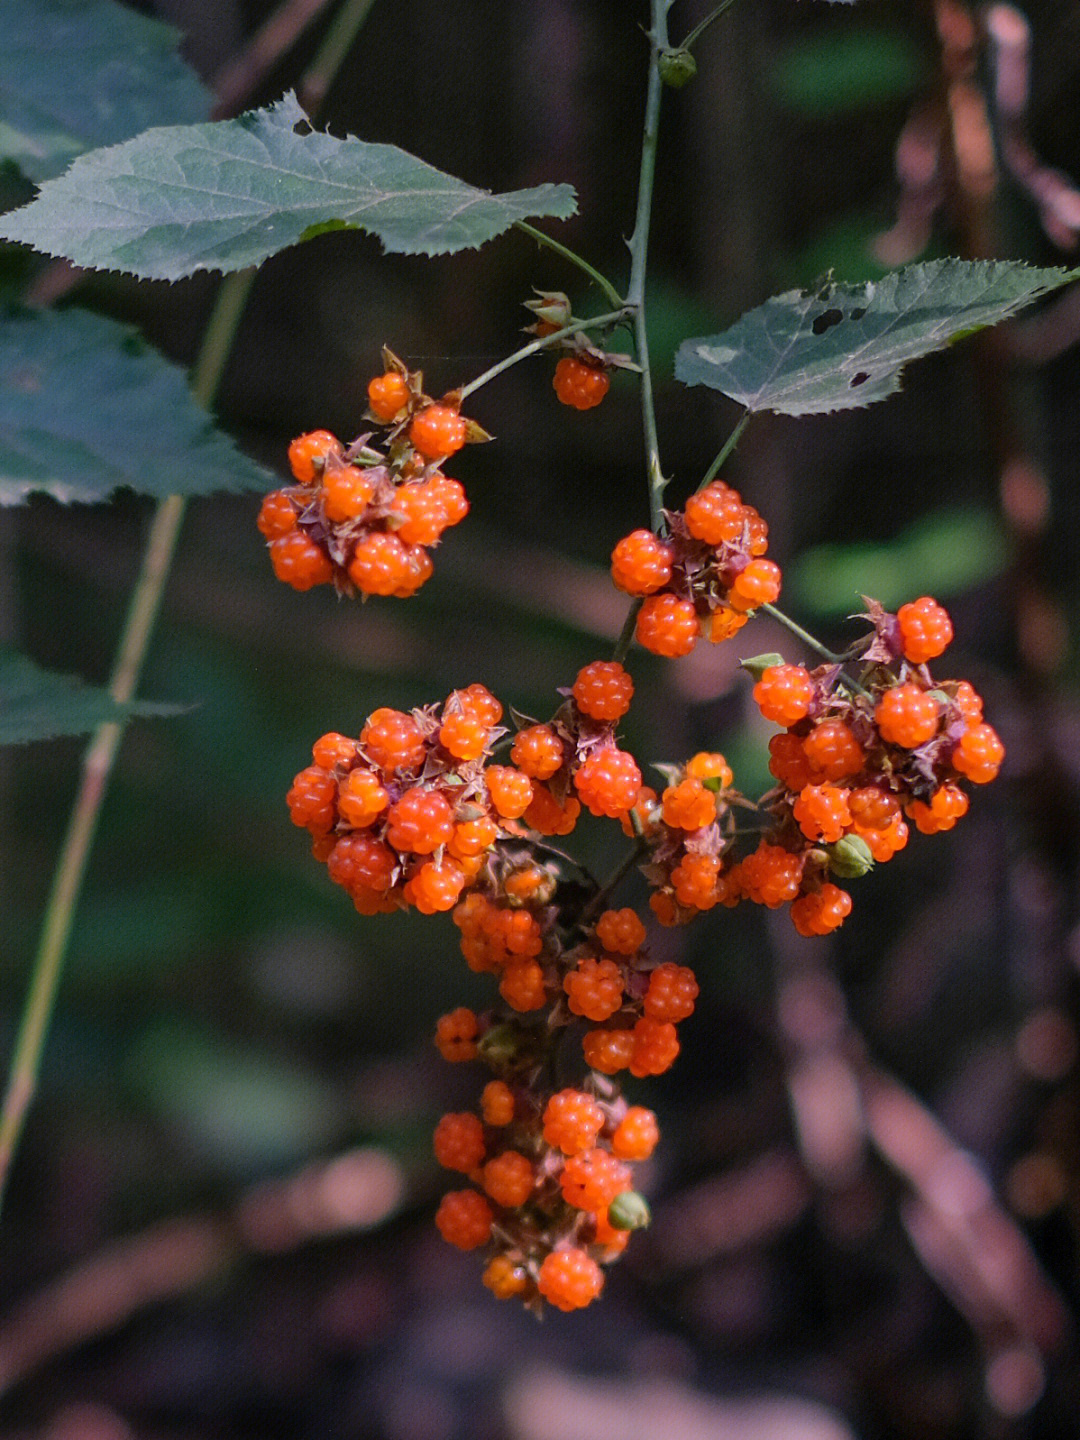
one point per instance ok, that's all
(868, 1188)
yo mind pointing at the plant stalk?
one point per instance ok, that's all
(573, 257)
(577, 327)
(725, 450)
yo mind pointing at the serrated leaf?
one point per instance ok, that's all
(86, 406)
(37, 704)
(76, 74)
(226, 195)
(808, 352)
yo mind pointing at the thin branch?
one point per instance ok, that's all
(573, 257)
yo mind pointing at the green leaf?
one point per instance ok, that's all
(86, 406)
(840, 346)
(38, 704)
(76, 74)
(225, 195)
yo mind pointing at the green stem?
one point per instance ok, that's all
(692, 38)
(145, 603)
(626, 635)
(574, 258)
(598, 322)
(614, 880)
(639, 248)
(726, 449)
(803, 635)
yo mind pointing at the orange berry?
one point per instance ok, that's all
(641, 563)
(907, 716)
(509, 1179)
(656, 1047)
(636, 1134)
(277, 515)
(437, 432)
(346, 493)
(603, 690)
(570, 1279)
(464, 1219)
(688, 805)
(620, 931)
(308, 454)
(594, 989)
(387, 395)
(667, 625)
(504, 1278)
(497, 1103)
(455, 1034)
(572, 1120)
(299, 562)
(580, 384)
(608, 1050)
(459, 1143)
(510, 790)
(671, 993)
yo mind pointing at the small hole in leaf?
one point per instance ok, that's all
(303, 127)
(857, 313)
(860, 379)
(826, 320)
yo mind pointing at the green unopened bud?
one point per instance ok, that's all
(677, 67)
(756, 665)
(629, 1211)
(850, 857)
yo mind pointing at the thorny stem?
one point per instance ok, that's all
(573, 257)
(134, 643)
(576, 327)
(725, 450)
(639, 247)
(692, 38)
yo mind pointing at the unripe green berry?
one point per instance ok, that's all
(629, 1211)
(850, 857)
(677, 67)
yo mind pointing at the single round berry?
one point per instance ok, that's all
(459, 1143)
(547, 816)
(510, 790)
(392, 741)
(570, 1279)
(671, 993)
(572, 1120)
(277, 515)
(361, 798)
(721, 624)
(438, 431)
(455, 1034)
(346, 493)
(464, 735)
(308, 454)
(505, 1278)
(361, 860)
(594, 989)
(537, 751)
(509, 1179)
(758, 584)
(436, 886)
(608, 780)
(784, 694)
(578, 384)
(497, 1103)
(591, 1179)
(771, 876)
(620, 931)
(419, 513)
(907, 716)
(947, 805)
(332, 750)
(420, 821)
(821, 911)
(714, 515)
(925, 629)
(522, 986)
(688, 805)
(709, 765)
(299, 562)
(464, 1219)
(872, 808)
(379, 564)
(608, 1051)
(656, 1047)
(451, 496)
(312, 800)
(387, 395)
(473, 837)
(789, 763)
(636, 1134)
(833, 751)
(603, 690)
(978, 754)
(821, 813)
(694, 881)
(641, 563)
(667, 625)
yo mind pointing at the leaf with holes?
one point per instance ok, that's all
(86, 406)
(808, 352)
(37, 704)
(229, 194)
(76, 74)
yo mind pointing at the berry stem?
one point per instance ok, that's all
(726, 449)
(803, 635)
(574, 258)
(598, 322)
(600, 900)
(626, 634)
(639, 246)
(692, 38)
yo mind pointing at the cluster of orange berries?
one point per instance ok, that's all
(703, 577)
(405, 814)
(854, 760)
(553, 1200)
(366, 518)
